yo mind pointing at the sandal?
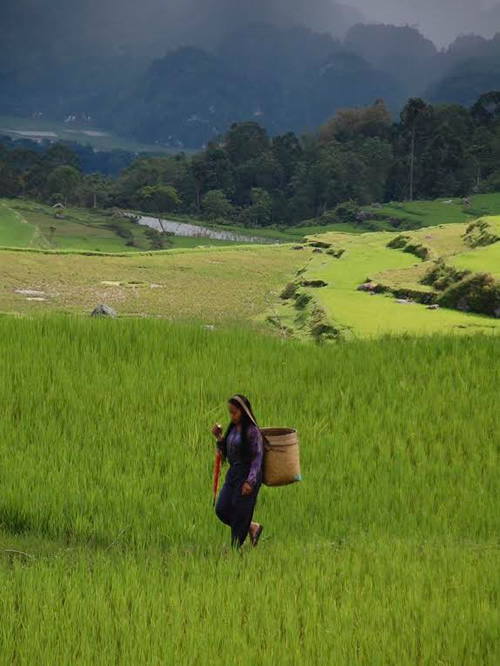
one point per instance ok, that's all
(256, 536)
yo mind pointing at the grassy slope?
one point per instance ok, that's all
(482, 259)
(207, 283)
(448, 243)
(85, 230)
(433, 213)
(387, 553)
(445, 241)
(78, 283)
(367, 256)
(15, 231)
(80, 229)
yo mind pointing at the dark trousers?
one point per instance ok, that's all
(233, 508)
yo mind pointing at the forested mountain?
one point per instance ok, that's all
(183, 88)
(402, 52)
(286, 79)
(469, 68)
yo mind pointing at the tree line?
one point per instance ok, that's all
(358, 157)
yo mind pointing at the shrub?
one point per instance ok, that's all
(441, 276)
(302, 300)
(320, 244)
(347, 212)
(336, 253)
(314, 284)
(120, 229)
(418, 250)
(289, 291)
(321, 328)
(158, 241)
(478, 234)
(398, 242)
(330, 217)
(478, 293)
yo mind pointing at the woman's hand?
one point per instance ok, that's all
(246, 489)
(217, 432)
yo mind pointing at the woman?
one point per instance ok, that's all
(243, 447)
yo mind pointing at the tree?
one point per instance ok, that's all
(95, 190)
(288, 152)
(349, 124)
(11, 183)
(64, 179)
(161, 199)
(157, 240)
(376, 156)
(446, 167)
(486, 110)
(260, 212)
(413, 118)
(212, 170)
(59, 154)
(215, 205)
(245, 141)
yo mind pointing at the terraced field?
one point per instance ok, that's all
(368, 258)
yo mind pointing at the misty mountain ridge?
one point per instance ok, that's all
(284, 75)
(294, 79)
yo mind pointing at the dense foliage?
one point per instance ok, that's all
(357, 158)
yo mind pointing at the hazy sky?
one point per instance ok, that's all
(441, 20)
(154, 26)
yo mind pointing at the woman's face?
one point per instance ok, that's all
(235, 414)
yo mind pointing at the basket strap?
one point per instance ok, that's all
(245, 409)
(240, 402)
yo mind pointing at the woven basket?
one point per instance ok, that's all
(281, 458)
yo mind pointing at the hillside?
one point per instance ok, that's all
(404, 275)
(30, 225)
(200, 283)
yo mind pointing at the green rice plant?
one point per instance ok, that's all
(109, 550)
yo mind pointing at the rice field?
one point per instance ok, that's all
(482, 259)
(367, 257)
(387, 553)
(211, 285)
(31, 225)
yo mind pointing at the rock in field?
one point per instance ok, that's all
(104, 311)
(367, 286)
(315, 284)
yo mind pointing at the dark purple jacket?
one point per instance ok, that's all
(249, 453)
